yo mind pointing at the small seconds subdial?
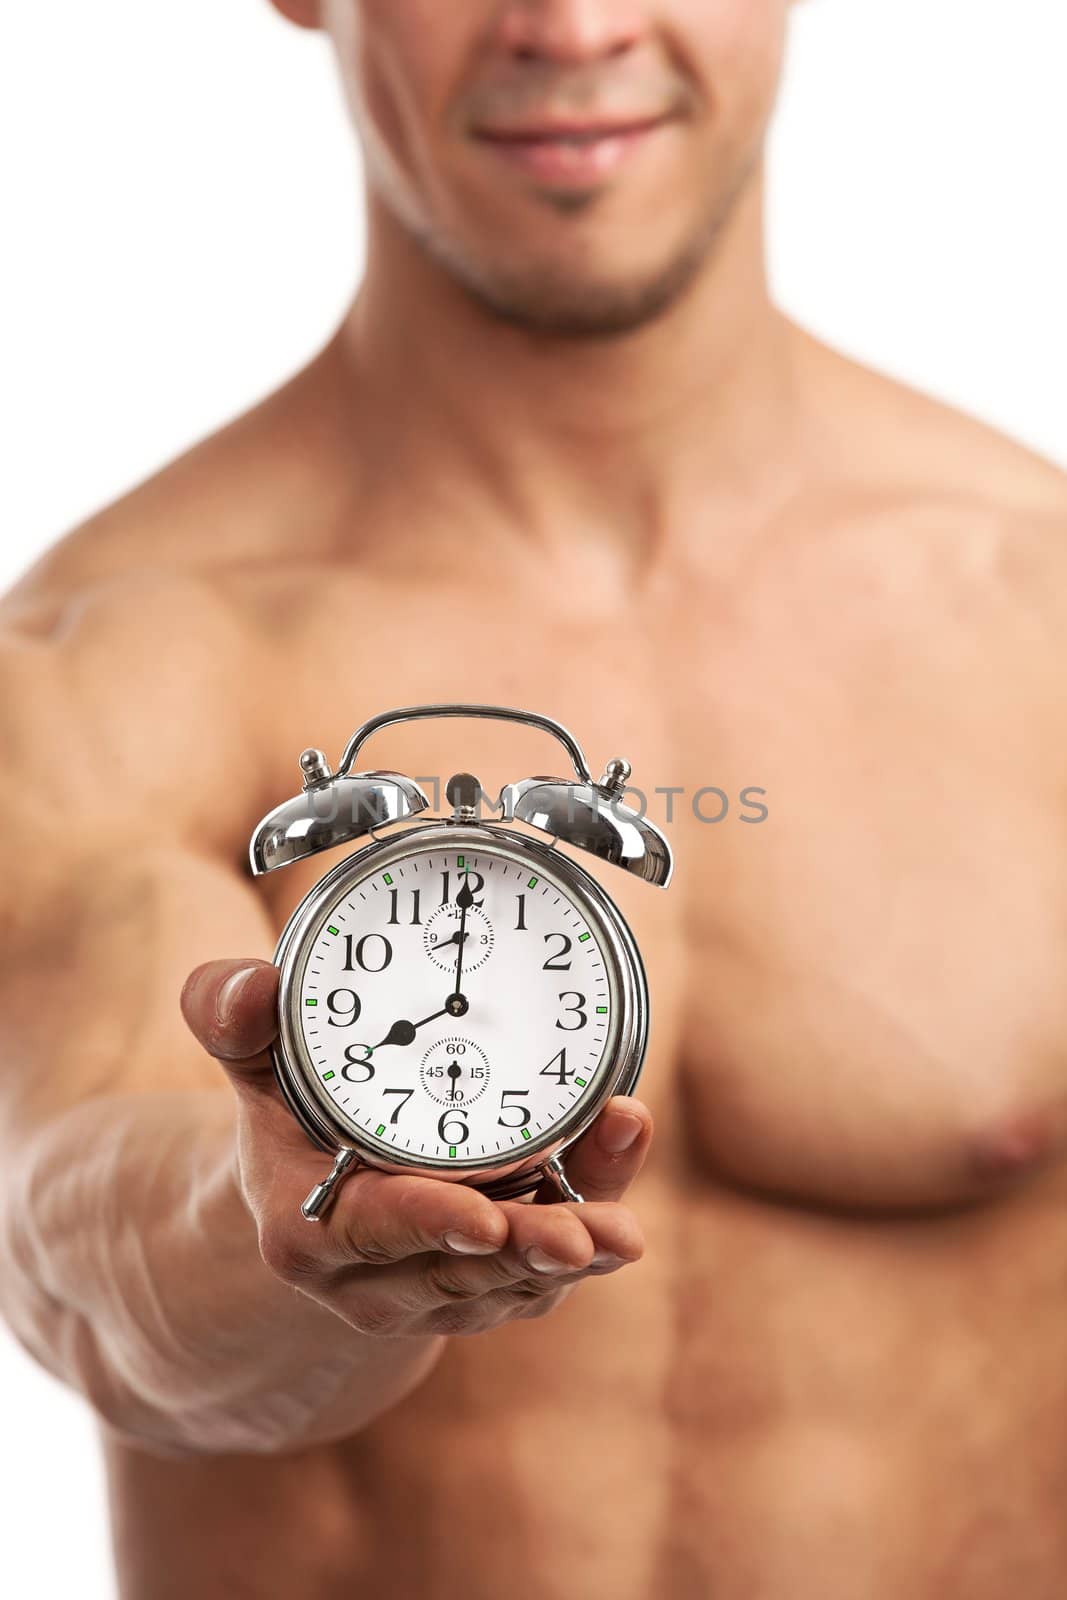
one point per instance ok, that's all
(441, 938)
(455, 1071)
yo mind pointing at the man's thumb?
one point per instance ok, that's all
(231, 1007)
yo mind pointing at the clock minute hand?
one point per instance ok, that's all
(464, 901)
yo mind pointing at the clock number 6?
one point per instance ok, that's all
(452, 1119)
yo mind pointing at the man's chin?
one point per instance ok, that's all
(554, 301)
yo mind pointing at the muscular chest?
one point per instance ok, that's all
(856, 976)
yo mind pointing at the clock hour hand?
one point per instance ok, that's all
(403, 1032)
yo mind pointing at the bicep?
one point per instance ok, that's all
(95, 959)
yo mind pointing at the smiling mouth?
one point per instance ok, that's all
(571, 155)
(570, 133)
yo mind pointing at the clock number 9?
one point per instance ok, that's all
(344, 1007)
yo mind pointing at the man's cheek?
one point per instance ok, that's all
(733, 41)
(745, 76)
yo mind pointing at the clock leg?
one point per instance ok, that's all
(554, 1170)
(320, 1197)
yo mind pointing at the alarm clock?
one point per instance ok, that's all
(458, 997)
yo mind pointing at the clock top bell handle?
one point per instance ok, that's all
(596, 820)
(532, 719)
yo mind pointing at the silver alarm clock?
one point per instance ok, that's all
(457, 998)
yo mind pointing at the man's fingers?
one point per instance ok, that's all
(232, 1008)
(546, 1253)
(382, 1217)
(386, 1295)
(609, 1155)
(568, 1238)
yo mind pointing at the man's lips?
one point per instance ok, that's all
(570, 154)
(559, 128)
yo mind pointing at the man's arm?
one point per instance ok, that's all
(152, 1253)
(130, 1263)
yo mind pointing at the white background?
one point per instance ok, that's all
(179, 200)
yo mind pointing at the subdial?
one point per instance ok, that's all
(455, 1072)
(440, 938)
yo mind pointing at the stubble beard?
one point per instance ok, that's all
(555, 302)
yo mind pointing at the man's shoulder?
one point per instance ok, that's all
(124, 688)
(979, 504)
(128, 651)
(239, 500)
(109, 633)
(908, 436)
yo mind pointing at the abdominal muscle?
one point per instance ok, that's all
(773, 1404)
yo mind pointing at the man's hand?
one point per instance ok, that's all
(398, 1255)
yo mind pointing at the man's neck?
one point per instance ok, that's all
(627, 440)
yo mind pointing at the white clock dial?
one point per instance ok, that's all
(456, 1004)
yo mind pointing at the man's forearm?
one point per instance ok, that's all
(130, 1268)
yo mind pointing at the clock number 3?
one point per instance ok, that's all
(576, 1010)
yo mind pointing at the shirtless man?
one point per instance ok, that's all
(564, 452)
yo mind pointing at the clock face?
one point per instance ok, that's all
(455, 1005)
